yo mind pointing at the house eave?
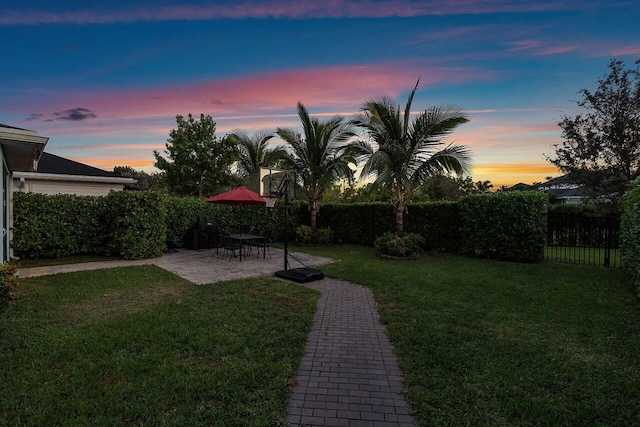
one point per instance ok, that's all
(22, 148)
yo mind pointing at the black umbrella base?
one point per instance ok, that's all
(301, 275)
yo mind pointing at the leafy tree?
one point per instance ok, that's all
(600, 147)
(442, 187)
(254, 152)
(195, 161)
(405, 152)
(319, 155)
(144, 180)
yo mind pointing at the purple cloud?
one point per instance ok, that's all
(75, 114)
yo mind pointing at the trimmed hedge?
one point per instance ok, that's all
(129, 224)
(630, 231)
(508, 226)
(362, 223)
(440, 223)
(57, 226)
(355, 223)
(135, 224)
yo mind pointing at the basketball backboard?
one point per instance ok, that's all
(267, 182)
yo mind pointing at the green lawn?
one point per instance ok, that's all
(480, 342)
(140, 346)
(496, 343)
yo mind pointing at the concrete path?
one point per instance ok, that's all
(349, 375)
(199, 267)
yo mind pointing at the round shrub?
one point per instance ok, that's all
(409, 245)
(306, 236)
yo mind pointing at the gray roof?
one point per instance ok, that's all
(50, 163)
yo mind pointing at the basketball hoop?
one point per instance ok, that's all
(271, 201)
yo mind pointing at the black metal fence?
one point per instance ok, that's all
(579, 238)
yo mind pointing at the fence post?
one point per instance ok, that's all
(607, 241)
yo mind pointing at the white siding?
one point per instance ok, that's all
(64, 187)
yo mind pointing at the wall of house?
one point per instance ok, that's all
(4, 211)
(64, 187)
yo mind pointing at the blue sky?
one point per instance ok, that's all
(105, 80)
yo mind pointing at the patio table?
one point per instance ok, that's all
(243, 238)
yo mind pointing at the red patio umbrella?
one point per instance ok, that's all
(238, 196)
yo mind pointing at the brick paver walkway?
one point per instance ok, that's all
(349, 375)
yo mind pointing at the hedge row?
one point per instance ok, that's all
(630, 231)
(507, 226)
(132, 225)
(361, 223)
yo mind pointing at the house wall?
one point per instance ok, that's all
(4, 211)
(64, 187)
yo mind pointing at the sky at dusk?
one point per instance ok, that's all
(105, 80)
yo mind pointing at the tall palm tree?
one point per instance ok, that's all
(405, 152)
(319, 155)
(254, 151)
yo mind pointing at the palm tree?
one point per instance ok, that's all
(319, 156)
(483, 186)
(405, 152)
(254, 152)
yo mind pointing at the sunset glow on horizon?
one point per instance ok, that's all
(105, 83)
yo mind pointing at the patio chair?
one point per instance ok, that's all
(216, 242)
(230, 246)
(261, 244)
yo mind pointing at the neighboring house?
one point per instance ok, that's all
(20, 151)
(57, 175)
(565, 192)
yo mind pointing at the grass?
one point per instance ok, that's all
(503, 344)
(480, 343)
(140, 346)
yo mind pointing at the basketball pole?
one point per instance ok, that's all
(287, 201)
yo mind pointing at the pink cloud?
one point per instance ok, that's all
(556, 50)
(626, 51)
(330, 88)
(525, 45)
(537, 47)
(280, 9)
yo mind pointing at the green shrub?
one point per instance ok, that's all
(630, 231)
(135, 224)
(439, 223)
(408, 245)
(361, 223)
(7, 283)
(356, 223)
(323, 236)
(306, 236)
(507, 226)
(56, 226)
(184, 212)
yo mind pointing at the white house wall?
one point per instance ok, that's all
(63, 187)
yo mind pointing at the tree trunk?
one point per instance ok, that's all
(399, 218)
(314, 214)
